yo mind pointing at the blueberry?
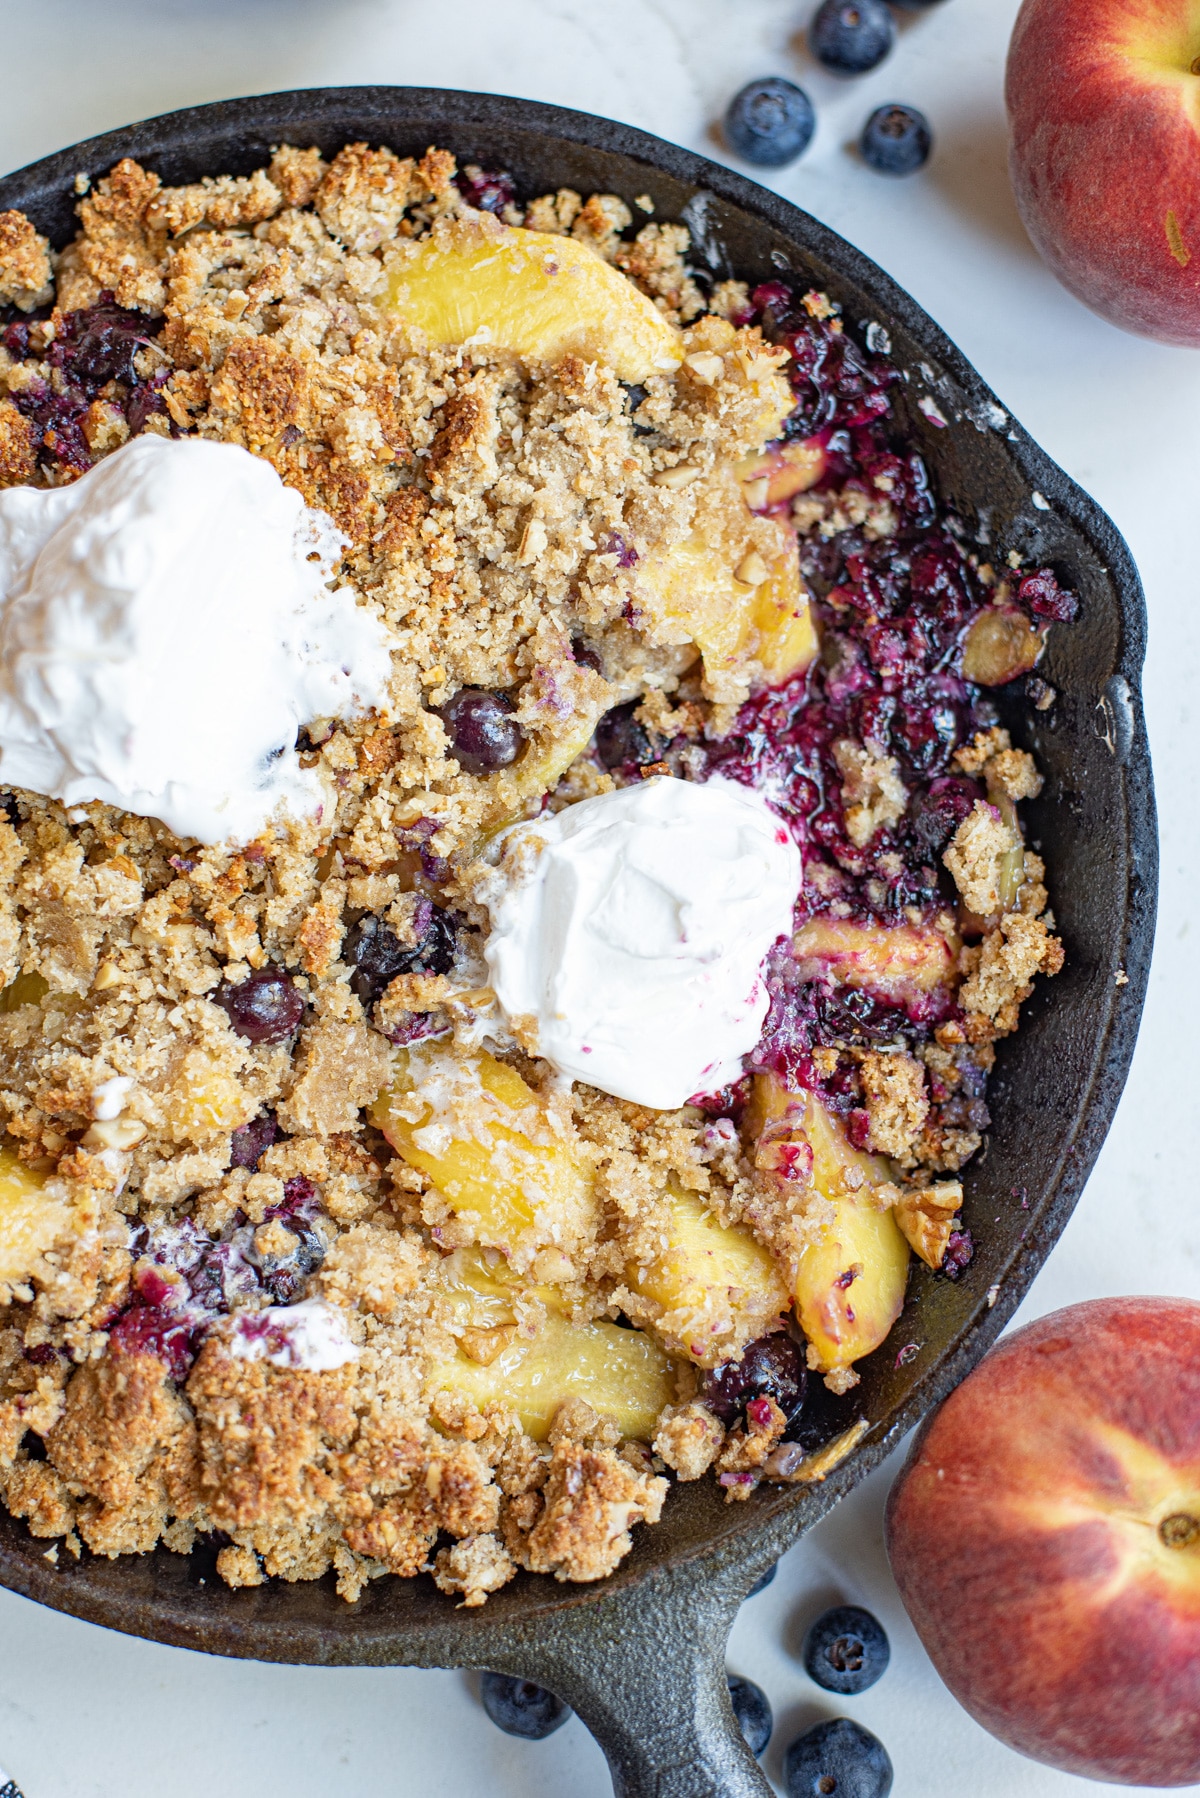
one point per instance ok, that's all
(896, 140)
(520, 1708)
(846, 1650)
(770, 122)
(763, 1580)
(839, 1758)
(265, 1008)
(752, 1708)
(620, 739)
(916, 5)
(377, 955)
(852, 36)
(483, 737)
(771, 1367)
(251, 1141)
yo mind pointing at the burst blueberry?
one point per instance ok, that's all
(520, 1708)
(846, 1650)
(837, 1759)
(770, 122)
(896, 140)
(771, 1367)
(752, 1708)
(849, 37)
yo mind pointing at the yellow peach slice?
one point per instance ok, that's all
(691, 594)
(623, 1374)
(895, 960)
(539, 295)
(781, 472)
(711, 1287)
(32, 1220)
(488, 1144)
(849, 1284)
(1001, 644)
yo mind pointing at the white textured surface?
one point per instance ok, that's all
(84, 1714)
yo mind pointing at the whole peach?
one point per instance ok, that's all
(1104, 109)
(1045, 1537)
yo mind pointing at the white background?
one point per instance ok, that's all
(86, 1714)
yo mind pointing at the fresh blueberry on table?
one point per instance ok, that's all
(763, 1580)
(846, 1650)
(837, 1759)
(896, 140)
(752, 1708)
(520, 1708)
(851, 36)
(770, 122)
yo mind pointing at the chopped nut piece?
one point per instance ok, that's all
(927, 1216)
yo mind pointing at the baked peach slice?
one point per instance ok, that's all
(781, 472)
(624, 1375)
(758, 610)
(488, 1144)
(711, 1288)
(900, 962)
(536, 294)
(34, 1218)
(849, 1283)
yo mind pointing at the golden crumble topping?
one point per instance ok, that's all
(529, 1300)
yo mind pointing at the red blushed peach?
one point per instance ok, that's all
(1104, 108)
(1045, 1536)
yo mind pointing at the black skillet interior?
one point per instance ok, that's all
(641, 1655)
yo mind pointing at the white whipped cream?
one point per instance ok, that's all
(166, 628)
(629, 933)
(312, 1336)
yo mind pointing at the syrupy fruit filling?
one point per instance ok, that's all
(895, 607)
(92, 354)
(183, 1279)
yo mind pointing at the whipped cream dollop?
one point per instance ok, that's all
(312, 1336)
(166, 627)
(629, 932)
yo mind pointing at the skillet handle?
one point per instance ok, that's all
(645, 1670)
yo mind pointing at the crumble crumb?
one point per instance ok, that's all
(688, 1439)
(976, 858)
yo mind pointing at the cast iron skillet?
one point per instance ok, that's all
(640, 1655)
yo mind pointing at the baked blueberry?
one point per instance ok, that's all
(770, 122)
(837, 1759)
(264, 1008)
(752, 1708)
(520, 1708)
(851, 36)
(620, 739)
(377, 955)
(896, 140)
(846, 1650)
(771, 1367)
(483, 735)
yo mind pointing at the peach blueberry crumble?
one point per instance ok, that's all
(317, 1248)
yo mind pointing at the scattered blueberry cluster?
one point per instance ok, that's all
(845, 1651)
(772, 121)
